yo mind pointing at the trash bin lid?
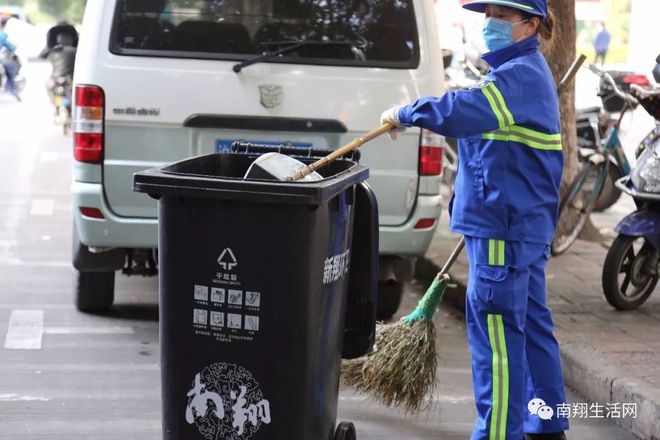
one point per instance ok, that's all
(220, 176)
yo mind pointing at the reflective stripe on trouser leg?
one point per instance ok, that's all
(496, 252)
(500, 378)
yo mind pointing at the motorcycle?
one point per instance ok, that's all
(62, 90)
(593, 125)
(60, 50)
(19, 80)
(631, 268)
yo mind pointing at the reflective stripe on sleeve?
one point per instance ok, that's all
(498, 105)
(531, 138)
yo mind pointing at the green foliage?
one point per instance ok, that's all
(51, 10)
(71, 10)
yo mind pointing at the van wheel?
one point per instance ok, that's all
(95, 291)
(389, 299)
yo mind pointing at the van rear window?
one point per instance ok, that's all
(369, 33)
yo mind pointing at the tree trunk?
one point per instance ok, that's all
(560, 54)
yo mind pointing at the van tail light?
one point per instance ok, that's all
(430, 153)
(640, 80)
(88, 124)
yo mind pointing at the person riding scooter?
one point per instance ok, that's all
(9, 60)
(61, 52)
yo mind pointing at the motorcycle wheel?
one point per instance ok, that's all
(610, 193)
(630, 272)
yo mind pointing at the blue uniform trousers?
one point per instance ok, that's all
(516, 368)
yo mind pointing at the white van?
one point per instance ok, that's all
(157, 81)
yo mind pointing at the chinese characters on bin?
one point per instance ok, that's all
(336, 267)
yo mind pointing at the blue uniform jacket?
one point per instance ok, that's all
(510, 154)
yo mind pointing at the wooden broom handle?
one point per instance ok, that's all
(354, 145)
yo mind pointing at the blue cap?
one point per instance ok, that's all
(534, 7)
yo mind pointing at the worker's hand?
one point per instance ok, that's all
(391, 115)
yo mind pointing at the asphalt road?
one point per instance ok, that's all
(97, 377)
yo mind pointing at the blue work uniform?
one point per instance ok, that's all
(505, 203)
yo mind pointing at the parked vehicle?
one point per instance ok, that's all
(159, 81)
(630, 271)
(593, 125)
(623, 80)
(583, 193)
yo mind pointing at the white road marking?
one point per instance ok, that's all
(25, 331)
(89, 331)
(42, 207)
(17, 398)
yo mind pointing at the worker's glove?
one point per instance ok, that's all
(391, 115)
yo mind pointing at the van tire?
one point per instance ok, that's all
(95, 291)
(389, 299)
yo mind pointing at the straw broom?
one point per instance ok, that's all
(400, 370)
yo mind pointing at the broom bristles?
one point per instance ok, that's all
(400, 371)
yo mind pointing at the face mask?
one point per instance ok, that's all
(497, 33)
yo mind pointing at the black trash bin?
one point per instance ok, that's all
(254, 280)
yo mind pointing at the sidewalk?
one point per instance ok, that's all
(607, 356)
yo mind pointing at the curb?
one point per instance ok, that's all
(586, 370)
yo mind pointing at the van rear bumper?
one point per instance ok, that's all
(124, 232)
(405, 240)
(111, 231)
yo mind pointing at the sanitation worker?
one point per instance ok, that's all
(505, 203)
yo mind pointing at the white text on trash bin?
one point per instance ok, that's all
(225, 402)
(336, 267)
(227, 260)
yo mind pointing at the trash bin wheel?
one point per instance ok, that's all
(345, 431)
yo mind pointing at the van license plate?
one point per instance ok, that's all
(224, 145)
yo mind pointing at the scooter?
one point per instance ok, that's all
(593, 125)
(62, 90)
(19, 80)
(631, 268)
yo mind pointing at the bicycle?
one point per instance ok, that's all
(583, 192)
